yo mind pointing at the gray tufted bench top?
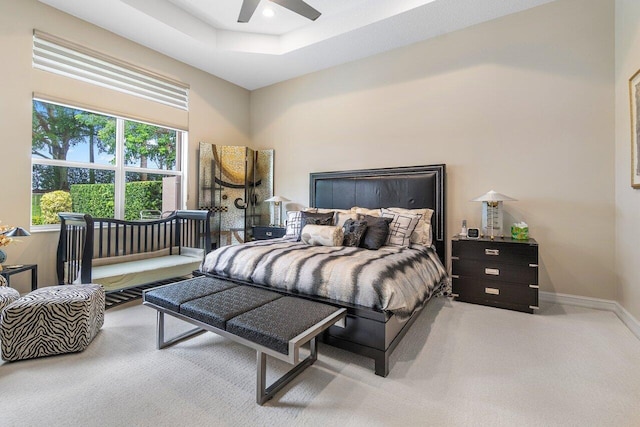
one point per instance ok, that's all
(269, 322)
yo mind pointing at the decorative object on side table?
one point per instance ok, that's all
(492, 222)
(276, 219)
(634, 100)
(520, 231)
(499, 272)
(7, 234)
(473, 233)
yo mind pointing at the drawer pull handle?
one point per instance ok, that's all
(492, 271)
(533, 265)
(269, 233)
(455, 276)
(534, 307)
(492, 251)
(455, 257)
(534, 286)
(492, 291)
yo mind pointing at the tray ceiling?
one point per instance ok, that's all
(264, 51)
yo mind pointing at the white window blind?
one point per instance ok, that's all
(62, 57)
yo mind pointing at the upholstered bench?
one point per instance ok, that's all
(51, 320)
(266, 321)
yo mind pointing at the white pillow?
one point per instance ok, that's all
(342, 216)
(401, 227)
(365, 211)
(322, 235)
(423, 234)
(294, 219)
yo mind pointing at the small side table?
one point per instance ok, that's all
(266, 232)
(10, 270)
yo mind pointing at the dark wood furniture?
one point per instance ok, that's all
(369, 332)
(265, 232)
(9, 270)
(499, 273)
(84, 240)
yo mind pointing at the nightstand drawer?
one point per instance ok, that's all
(496, 271)
(264, 233)
(499, 294)
(496, 251)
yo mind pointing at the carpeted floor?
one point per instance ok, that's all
(460, 364)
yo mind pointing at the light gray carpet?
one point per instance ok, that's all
(460, 364)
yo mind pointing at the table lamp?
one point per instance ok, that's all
(277, 209)
(492, 223)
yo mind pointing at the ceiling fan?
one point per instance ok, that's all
(297, 6)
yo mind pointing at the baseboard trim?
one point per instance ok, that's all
(596, 303)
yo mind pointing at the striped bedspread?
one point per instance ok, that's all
(395, 279)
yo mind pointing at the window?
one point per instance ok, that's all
(108, 167)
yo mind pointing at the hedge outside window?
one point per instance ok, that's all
(105, 166)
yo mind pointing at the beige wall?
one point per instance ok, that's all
(219, 112)
(522, 105)
(627, 199)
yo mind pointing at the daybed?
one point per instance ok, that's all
(119, 254)
(383, 290)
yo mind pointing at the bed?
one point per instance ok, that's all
(383, 290)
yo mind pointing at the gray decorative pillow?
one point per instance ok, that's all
(353, 232)
(376, 233)
(315, 219)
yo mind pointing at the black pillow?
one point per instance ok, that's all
(314, 218)
(376, 233)
(353, 232)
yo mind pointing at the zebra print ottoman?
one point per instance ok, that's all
(51, 320)
(7, 295)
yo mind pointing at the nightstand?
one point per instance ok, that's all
(265, 232)
(499, 273)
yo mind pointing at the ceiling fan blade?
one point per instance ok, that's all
(299, 7)
(248, 7)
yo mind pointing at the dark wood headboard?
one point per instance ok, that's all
(410, 187)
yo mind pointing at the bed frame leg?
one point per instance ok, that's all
(382, 364)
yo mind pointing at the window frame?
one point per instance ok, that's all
(120, 168)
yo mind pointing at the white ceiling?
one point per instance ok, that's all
(205, 34)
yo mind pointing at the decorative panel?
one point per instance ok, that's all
(234, 181)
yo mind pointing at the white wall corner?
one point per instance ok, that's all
(598, 304)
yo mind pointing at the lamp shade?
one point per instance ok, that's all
(18, 232)
(493, 196)
(277, 199)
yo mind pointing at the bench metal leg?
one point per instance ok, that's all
(265, 393)
(160, 332)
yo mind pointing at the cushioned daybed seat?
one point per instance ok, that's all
(122, 273)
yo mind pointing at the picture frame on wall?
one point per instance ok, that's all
(634, 100)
